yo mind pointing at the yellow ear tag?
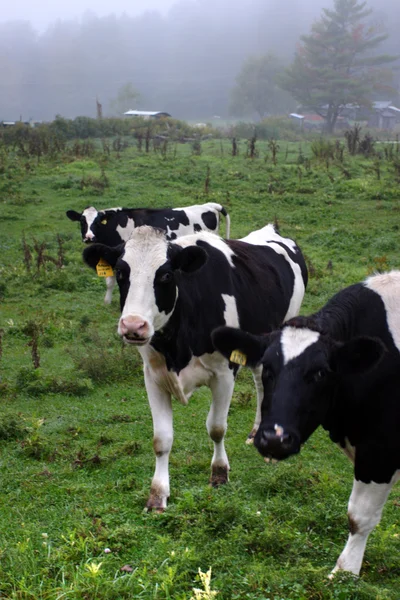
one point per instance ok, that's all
(238, 357)
(104, 269)
(104, 222)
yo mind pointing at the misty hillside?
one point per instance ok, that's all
(184, 62)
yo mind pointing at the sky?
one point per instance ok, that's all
(43, 12)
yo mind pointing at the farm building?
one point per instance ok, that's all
(147, 114)
(383, 115)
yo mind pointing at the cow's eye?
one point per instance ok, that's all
(166, 278)
(317, 376)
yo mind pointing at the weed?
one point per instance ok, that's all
(235, 148)
(35, 382)
(105, 362)
(274, 148)
(196, 148)
(33, 330)
(207, 181)
(12, 427)
(251, 147)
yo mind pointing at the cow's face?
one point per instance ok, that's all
(302, 368)
(86, 219)
(148, 271)
(111, 227)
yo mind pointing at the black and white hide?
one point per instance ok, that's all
(173, 295)
(112, 226)
(339, 368)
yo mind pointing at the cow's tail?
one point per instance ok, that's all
(227, 222)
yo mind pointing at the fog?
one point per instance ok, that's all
(42, 12)
(181, 57)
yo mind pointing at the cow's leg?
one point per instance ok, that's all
(222, 389)
(110, 283)
(364, 512)
(257, 376)
(161, 410)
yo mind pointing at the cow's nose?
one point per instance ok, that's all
(277, 445)
(134, 327)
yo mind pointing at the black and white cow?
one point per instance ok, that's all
(173, 295)
(112, 226)
(339, 368)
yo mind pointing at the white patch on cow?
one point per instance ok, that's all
(298, 287)
(365, 509)
(193, 213)
(209, 238)
(267, 236)
(263, 237)
(145, 252)
(230, 313)
(182, 230)
(295, 340)
(126, 232)
(90, 214)
(387, 285)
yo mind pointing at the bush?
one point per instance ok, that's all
(35, 383)
(11, 427)
(105, 362)
(278, 128)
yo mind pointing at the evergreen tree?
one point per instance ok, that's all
(335, 64)
(257, 90)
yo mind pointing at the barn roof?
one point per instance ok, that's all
(146, 113)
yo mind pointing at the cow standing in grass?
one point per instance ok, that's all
(339, 368)
(173, 294)
(113, 226)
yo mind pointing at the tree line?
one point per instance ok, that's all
(188, 63)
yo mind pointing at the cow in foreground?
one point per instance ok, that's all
(339, 368)
(173, 295)
(113, 226)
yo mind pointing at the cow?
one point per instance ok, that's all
(339, 368)
(112, 226)
(173, 294)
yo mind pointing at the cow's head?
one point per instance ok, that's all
(148, 270)
(86, 219)
(302, 368)
(111, 227)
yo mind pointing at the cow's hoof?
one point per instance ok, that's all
(156, 504)
(219, 476)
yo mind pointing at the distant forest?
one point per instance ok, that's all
(184, 63)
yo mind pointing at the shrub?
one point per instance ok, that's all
(105, 362)
(11, 427)
(35, 383)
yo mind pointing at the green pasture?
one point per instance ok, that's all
(75, 427)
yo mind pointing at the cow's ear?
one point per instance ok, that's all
(189, 259)
(250, 348)
(73, 215)
(93, 253)
(358, 355)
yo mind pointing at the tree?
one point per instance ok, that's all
(126, 99)
(335, 65)
(257, 89)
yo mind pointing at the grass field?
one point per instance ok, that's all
(76, 432)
